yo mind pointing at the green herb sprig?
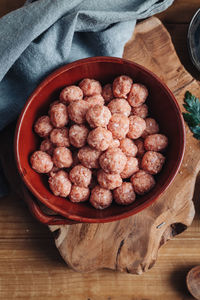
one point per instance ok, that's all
(192, 117)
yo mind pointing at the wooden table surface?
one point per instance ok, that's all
(30, 266)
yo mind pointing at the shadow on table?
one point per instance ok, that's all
(178, 281)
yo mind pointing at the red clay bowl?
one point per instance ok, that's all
(163, 107)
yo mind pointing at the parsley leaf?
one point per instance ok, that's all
(192, 117)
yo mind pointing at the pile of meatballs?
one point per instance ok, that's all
(99, 143)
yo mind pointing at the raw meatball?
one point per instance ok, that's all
(78, 135)
(142, 182)
(137, 95)
(100, 198)
(89, 157)
(94, 100)
(137, 126)
(152, 162)
(124, 194)
(119, 106)
(62, 157)
(119, 126)
(128, 147)
(71, 93)
(155, 142)
(113, 160)
(114, 144)
(90, 87)
(140, 146)
(58, 115)
(98, 115)
(140, 111)
(79, 194)
(122, 86)
(108, 181)
(59, 137)
(107, 92)
(77, 111)
(80, 176)
(43, 126)
(99, 138)
(60, 184)
(131, 167)
(41, 162)
(47, 146)
(152, 127)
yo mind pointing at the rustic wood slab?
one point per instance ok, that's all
(131, 245)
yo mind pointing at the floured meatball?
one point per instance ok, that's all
(79, 194)
(80, 176)
(137, 95)
(107, 92)
(131, 167)
(119, 126)
(41, 162)
(62, 157)
(71, 93)
(78, 135)
(140, 146)
(100, 198)
(128, 147)
(47, 146)
(94, 100)
(152, 162)
(113, 160)
(59, 137)
(60, 184)
(98, 115)
(89, 157)
(137, 126)
(58, 115)
(119, 106)
(108, 181)
(152, 127)
(99, 138)
(142, 182)
(124, 194)
(43, 126)
(114, 144)
(140, 111)
(77, 111)
(122, 86)
(90, 87)
(155, 142)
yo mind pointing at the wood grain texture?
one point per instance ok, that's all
(31, 267)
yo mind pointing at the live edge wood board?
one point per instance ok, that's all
(131, 245)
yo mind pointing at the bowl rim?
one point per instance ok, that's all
(130, 212)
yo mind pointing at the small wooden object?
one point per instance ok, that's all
(131, 245)
(193, 282)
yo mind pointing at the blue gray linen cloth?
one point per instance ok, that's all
(46, 34)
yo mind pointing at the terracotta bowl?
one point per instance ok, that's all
(163, 107)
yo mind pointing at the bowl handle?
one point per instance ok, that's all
(40, 215)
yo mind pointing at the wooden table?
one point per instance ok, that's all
(30, 266)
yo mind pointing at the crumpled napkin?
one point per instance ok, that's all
(45, 34)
